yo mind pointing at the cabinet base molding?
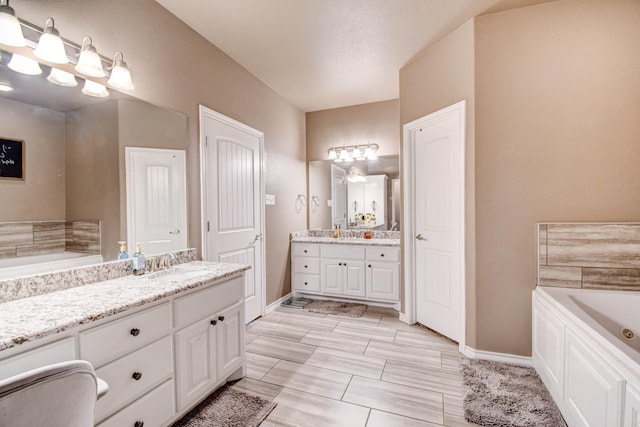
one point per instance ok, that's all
(514, 359)
(395, 306)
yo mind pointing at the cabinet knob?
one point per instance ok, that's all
(136, 376)
(305, 251)
(135, 332)
(382, 255)
(221, 318)
(306, 283)
(339, 263)
(345, 264)
(369, 265)
(213, 322)
(138, 424)
(306, 266)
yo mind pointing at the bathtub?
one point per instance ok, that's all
(46, 263)
(587, 352)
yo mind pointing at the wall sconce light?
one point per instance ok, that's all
(50, 47)
(62, 78)
(10, 30)
(94, 89)
(350, 152)
(89, 62)
(120, 74)
(24, 65)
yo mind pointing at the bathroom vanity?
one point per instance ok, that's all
(162, 341)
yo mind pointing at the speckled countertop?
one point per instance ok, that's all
(347, 241)
(35, 317)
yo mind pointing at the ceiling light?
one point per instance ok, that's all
(24, 65)
(94, 89)
(89, 62)
(50, 47)
(120, 74)
(10, 30)
(62, 78)
(5, 87)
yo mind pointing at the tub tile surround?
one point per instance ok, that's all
(589, 255)
(18, 239)
(29, 286)
(347, 237)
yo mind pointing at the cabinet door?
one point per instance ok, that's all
(383, 281)
(230, 340)
(592, 390)
(332, 276)
(195, 361)
(353, 284)
(632, 407)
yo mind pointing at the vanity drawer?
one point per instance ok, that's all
(343, 251)
(306, 265)
(306, 282)
(206, 302)
(104, 343)
(302, 249)
(59, 351)
(383, 253)
(153, 363)
(153, 409)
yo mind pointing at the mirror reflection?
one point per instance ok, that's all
(361, 195)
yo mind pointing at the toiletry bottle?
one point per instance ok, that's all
(123, 251)
(335, 232)
(139, 264)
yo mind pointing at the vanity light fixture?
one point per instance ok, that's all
(348, 153)
(120, 74)
(50, 47)
(10, 30)
(370, 153)
(332, 154)
(62, 78)
(94, 89)
(24, 65)
(89, 62)
(344, 155)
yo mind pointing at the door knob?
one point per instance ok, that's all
(174, 232)
(258, 237)
(419, 237)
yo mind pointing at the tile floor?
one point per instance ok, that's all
(333, 371)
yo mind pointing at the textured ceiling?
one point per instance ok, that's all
(322, 54)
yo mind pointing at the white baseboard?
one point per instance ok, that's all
(404, 317)
(498, 357)
(274, 305)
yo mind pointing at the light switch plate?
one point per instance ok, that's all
(329, 202)
(269, 199)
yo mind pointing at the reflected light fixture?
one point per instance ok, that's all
(62, 78)
(370, 154)
(120, 74)
(5, 87)
(24, 65)
(10, 30)
(50, 47)
(332, 154)
(95, 89)
(89, 62)
(357, 154)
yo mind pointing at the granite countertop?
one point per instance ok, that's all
(347, 241)
(36, 317)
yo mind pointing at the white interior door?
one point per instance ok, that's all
(156, 199)
(232, 200)
(339, 196)
(436, 219)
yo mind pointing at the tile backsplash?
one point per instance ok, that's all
(589, 255)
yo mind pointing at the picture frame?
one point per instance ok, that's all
(12, 159)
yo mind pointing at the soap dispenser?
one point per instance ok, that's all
(123, 251)
(139, 264)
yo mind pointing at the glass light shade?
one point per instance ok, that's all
(332, 154)
(62, 78)
(5, 87)
(89, 62)
(10, 30)
(94, 89)
(121, 77)
(356, 154)
(343, 154)
(370, 154)
(24, 65)
(50, 47)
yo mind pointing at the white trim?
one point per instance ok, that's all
(404, 318)
(498, 357)
(274, 305)
(458, 109)
(208, 112)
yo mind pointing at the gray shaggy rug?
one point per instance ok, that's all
(227, 407)
(500, 394)
(335, 307)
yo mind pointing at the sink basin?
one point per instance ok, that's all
(177, 275)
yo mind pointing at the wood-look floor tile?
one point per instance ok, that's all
(300, 409)
(453, 412)
(389, 322)
(280, 349)
(278, 330)
(434, 379)
(363, 330)
(336, 341)
(382, 311)
(249, 337)
(309, 379)
(258, 388)
(371, 319)
(404, 353)
(315, 323)
(258, 365)
(350, 363)
(451, 360)
(385, 419)
(289, 310)
(398, 399)
(426, 340)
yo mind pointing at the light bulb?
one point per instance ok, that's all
(120, 74)
(356, 154)
(89, 62)
(332, 154)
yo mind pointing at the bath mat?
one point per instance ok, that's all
(500, 394)
(227, 407)
(334, 307)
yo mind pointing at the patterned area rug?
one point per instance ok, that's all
(334, 307)
(500, 394)
(227, 407)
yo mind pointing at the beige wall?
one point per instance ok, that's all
(437, 78)
(175, 68)
(40, 196)
(358, 124)
(320, 186)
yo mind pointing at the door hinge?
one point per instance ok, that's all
(208, 226)
(206, 141)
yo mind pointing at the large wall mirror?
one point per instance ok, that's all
(73, 153)
(362, 195)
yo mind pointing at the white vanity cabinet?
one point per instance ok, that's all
(342, 270)
(383, 273)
